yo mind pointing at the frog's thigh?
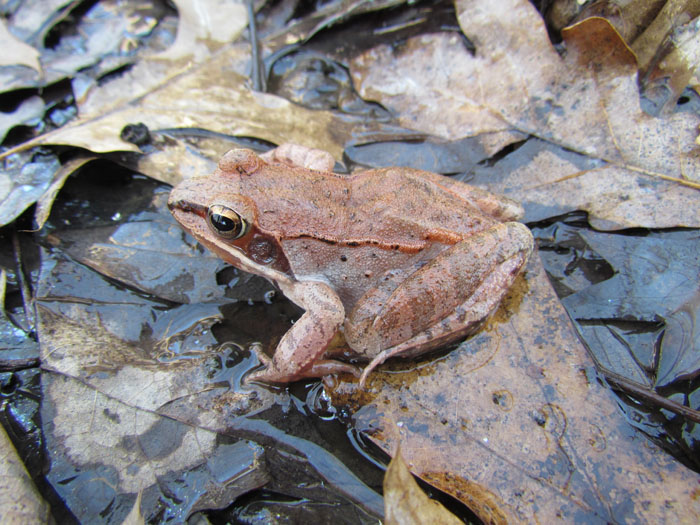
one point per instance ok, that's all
(300, 350)
(448, 295)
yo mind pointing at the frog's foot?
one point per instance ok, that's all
(374, 363)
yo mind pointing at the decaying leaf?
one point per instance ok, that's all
(25, 179)
(404, 501)
(515, 424)
(134, 517)
(586, 102)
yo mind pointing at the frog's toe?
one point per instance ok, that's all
(261, 355)
(378, 360)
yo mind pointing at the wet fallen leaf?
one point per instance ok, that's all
(172, 458)
(404, 501)
(99, 43)
(24, 179)
(515, 424)
(654, 277)
(30, 110)
(586, 102)
(44, 203)
(134, 517)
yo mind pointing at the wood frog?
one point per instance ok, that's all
(385, 262)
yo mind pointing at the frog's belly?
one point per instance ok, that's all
(350, 270)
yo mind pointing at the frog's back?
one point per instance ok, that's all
(391, 208)
(403, 197)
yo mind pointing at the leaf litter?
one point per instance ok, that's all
(585, 102)
(580, 452)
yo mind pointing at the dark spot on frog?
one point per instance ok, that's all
(343, 258)
(262, 251)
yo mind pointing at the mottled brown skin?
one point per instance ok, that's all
(398, 261)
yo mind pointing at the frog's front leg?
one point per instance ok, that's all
(299, 353)
(441, 301)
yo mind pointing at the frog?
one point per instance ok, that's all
(386, 262)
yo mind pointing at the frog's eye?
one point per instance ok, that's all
(226, 222)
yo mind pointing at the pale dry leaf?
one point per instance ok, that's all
(202, 21)
(20, 501)
(405, 503)
(671, 74)
(212, 97)
(203, 28)
(17, 52)
(551, 181)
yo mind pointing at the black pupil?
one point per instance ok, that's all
(223, 223)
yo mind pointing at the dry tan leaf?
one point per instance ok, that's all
(19, 499)
(515, 424)
(404, 501)
(199, 34)
(213, 97)
(587, 101)
(550, 181)
(16, 52)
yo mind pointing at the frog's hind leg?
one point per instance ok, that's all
(444, 300)
(465, 320)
